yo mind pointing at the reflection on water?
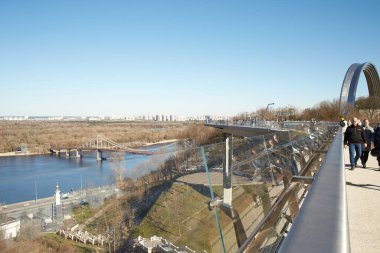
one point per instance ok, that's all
(21, 176)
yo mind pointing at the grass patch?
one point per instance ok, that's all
(180, 215)
(82, 213)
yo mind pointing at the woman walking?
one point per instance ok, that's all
(368, 133)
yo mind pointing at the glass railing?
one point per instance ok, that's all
(275, 125)
(197, 204)
(263, 168)
(183, 198)
(322, 223)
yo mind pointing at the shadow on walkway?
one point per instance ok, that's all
(367, 186)
(347, 166)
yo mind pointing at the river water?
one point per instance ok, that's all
(22, 177)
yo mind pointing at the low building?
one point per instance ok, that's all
(157, 244)
(10, 228)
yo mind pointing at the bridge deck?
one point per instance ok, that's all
(363, 200)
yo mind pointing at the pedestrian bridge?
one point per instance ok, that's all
(100, 143)
(269, 187)
(321, 206)
(336, 211)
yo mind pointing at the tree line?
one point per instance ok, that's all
(328, 110)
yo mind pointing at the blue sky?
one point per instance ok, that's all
(179, 57)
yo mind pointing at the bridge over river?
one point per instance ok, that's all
(99, 144)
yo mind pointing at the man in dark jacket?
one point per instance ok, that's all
(376, 143)
(354, 137)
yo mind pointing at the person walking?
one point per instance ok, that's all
(343, 124)
(368, 133)
(376, 142)
(354, 138)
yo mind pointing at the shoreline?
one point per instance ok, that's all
(22, 154)
(10, 154)
(160, 142)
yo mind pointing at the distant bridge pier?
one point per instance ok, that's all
(55, 151)
(68, 153)
(99, 155)
(75, 153)
(78, 155)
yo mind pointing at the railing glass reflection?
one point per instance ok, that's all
(190, 208)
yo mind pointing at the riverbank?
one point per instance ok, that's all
(47, 152)
(40, 136)
(74, 196)
(23, 154)
(160, 142)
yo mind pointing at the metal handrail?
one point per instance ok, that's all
(322, 223)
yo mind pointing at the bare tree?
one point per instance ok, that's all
(118, 169)
(369, 106)
(326, 110)
(29, 231)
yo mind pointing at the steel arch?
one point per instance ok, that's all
(350, 84)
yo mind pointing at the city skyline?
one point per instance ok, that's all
(145, 117)
(180, 58)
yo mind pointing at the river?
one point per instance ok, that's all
(24, 177)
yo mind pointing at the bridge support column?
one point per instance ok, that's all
(227, 207)
(227, 171)
(99, 155)
(68, 153)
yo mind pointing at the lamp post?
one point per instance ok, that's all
(35, 189)
(269, 105)
(266, 111)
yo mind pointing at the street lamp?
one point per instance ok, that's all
(266, 111)
(269, 105)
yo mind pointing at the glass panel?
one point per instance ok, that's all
(263, 168)
(180, 212)
(214, 157)
(252, 180)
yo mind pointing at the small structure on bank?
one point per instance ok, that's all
(57, 195)
(85, 237)
(9, 228)
(157, 244)
(57, 207)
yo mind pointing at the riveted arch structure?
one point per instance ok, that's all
(350, 84)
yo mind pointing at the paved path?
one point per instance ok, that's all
(363, 200)
(75, 197)
(92, 218)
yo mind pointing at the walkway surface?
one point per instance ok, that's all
(363, 200)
